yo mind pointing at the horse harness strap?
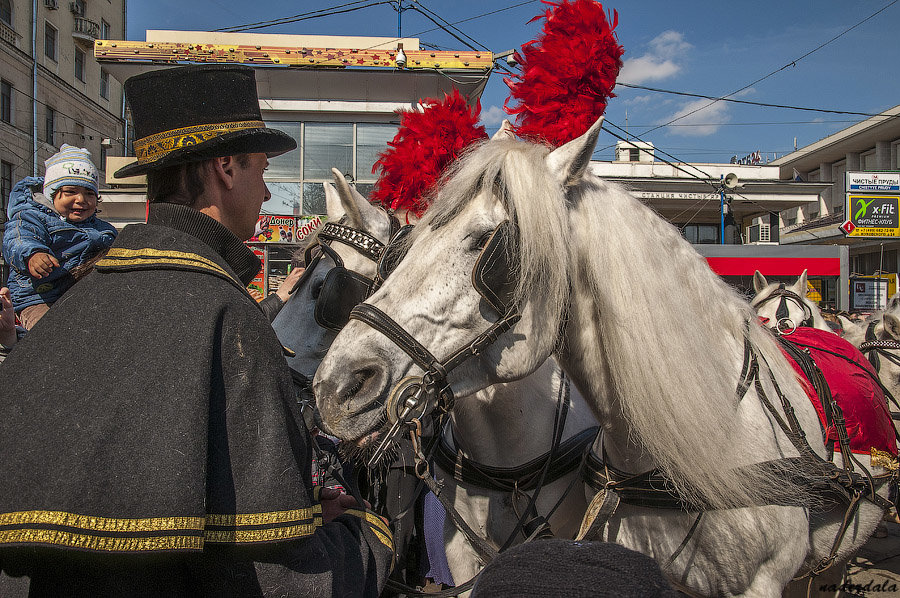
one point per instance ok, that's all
(781, 312)
(524, 476)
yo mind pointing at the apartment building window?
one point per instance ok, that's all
(50, 125)
(6, 12)
(105, 29)
(104, 84)
(78, 8)
(79, 64)
(50, 37)
(6, 182)
(6, 101)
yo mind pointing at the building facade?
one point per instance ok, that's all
(52, 89)
(338, 96)
(870, 146)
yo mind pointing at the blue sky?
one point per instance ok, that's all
(710, 48)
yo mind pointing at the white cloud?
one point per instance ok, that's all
(493, 116)
(703, 118)
(661, 61)
(638, 100)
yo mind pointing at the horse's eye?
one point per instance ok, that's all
(483, 240)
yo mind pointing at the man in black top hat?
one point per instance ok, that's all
(151, 440)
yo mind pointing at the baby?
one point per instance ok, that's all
(50, 233)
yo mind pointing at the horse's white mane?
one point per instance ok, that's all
(671, 330)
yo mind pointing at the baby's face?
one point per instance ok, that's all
(74, 203)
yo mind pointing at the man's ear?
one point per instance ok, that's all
(224, 168)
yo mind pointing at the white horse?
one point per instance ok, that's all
(786, 307)
(652, 337)
(490, 428)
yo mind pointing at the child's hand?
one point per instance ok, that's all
(7, 319)
(41, 264)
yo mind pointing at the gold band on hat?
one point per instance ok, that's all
(154, 147)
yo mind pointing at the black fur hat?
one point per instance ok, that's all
(193, 113)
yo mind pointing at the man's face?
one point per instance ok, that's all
(75, 203)
(250, 191)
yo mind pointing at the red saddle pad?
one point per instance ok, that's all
(854, 386)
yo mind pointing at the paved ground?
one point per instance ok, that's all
(875, 571)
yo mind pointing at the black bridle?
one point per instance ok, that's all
(417, 396)
(783, 322)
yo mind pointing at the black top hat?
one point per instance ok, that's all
(193, 113)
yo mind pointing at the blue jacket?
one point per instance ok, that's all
(35, 226)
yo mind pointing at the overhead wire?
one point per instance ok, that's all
(763, 104)
(778, 70)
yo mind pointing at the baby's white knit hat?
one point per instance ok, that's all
(70, 166)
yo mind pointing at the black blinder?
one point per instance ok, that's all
(341, 291)
(494, 273)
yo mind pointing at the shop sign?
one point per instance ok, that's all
(285, 229)
(871, 292)
(873, 181)
(872, 215)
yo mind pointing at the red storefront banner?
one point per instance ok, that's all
(775, 266)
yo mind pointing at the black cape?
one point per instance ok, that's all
(151, 414)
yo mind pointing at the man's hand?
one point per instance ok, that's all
(284, 291)
(41, 264)
(7, 319)
(334, 503)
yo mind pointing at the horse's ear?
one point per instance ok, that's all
(333, 206)
(759, 282)
(504, 132)
(801, 284)
(891, 325)
(358, 209)
(570, 161)
(893, 303)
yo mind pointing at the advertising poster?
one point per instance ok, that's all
(259, 282)
(274, 229)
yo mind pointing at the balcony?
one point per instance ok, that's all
(8, 34)
(85, 30)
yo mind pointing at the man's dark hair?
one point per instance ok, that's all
(182, 183)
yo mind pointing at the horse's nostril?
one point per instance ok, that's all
(358, 380)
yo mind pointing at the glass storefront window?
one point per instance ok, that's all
(313, 198)
(371, 140)
(327, 146)
(285, 199)
(286, 166)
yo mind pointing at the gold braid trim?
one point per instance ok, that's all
(118, 256)
(377, 524)
(884, 459)
(256, 519)
(154, 147)
(134, 535)
(100, 543)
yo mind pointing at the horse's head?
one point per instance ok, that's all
(490, 253)
(339, 271)
(785, 308)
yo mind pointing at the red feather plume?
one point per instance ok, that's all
(426, 143)
(568, 73)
